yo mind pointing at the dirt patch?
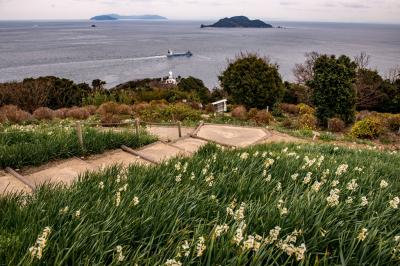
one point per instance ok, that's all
(11, 185)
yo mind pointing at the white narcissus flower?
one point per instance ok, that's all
(363, 234)
(383, 184)
(394, 203)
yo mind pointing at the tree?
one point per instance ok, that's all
(305, 72)
(334, 94)
(98, 84)
(191, 84)
(252, 81)
(368, 87)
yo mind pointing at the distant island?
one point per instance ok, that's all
(238, 22)
(119, 17)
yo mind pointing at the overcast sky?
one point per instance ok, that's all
(297, 10)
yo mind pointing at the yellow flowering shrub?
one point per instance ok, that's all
(367, 128)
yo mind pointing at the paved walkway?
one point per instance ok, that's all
(169, 146)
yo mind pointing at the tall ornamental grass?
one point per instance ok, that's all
(39, 144)
(268, 205)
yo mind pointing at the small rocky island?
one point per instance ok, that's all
(119, 17)
(238, 22)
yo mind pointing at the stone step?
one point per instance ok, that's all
(234, 136)
(10, 185)
(114, 157)
(159, 151)
(190, 145)
(65, 172)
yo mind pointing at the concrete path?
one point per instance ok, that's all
(67, 171)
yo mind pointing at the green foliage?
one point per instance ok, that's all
(169, 213)
(333, 90)
(35, 145)
(191, 84)
(367, 128)
(253, 82)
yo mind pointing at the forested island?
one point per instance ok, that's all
(119, 17)
(238, 22)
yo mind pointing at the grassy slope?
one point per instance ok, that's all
(170, 212)
(43, 144)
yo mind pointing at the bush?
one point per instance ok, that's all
(367, 128)
(263, 117)
(305, 109)
(336, 125)
(61, 113)
(289, 123)
(209, 108)
(180, 112)
(3, 118)
(240, 112)
(307, 121)
(78, 113)
(252, 113)
(91, 109)
(14, 114)
(334, 94)
(253, 82)
(44, 113)
(124, 109)
(108, 108)
(394, 122)
(109, 120)
(289, 108)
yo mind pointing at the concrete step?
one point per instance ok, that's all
(190, 145)
(169, 133)
(114, 157)
(10, 185)
(159, 151)
(234, 136)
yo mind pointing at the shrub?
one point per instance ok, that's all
(305, 109)
(263, 117)
(137, 108)
(61, 113)
(307, 121)
(209, 108)
(336, 125)
(14, 114)
(124, 109)
(240, 112)
(91, 109)
(394, 122)
(109, 120)
(367, 128)
(3, 118)
(44, 113)
(289, 123)
(180, 112)
(289, 108)
(78, 113)
(253, 82)
(108, 108)
(334, 94)
(252, 113)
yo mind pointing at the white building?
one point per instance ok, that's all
(171, 79)
(220, 106)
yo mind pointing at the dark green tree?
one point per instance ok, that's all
(334, 94)
(253, 82)
(192, 84)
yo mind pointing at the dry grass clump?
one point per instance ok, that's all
(78, 113)
(393, 122)
(124, 109)
(251, 114)
(289, 108)
(15, 114)
(114, 108)
(336, 125)
(3, 118)
(137, 108)
(44, 113)
(239, 112)
(263, 117)
(61, 113)
(109, 120)
(91, 109)
(209, 108)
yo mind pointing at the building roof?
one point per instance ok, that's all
(220, 101)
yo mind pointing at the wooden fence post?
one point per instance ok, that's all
(137, 126)
(80, 134)
(180, 129)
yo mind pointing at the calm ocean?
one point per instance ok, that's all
(124, 50)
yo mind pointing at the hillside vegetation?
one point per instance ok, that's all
(267, 205)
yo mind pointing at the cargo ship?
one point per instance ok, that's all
(171, 54)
